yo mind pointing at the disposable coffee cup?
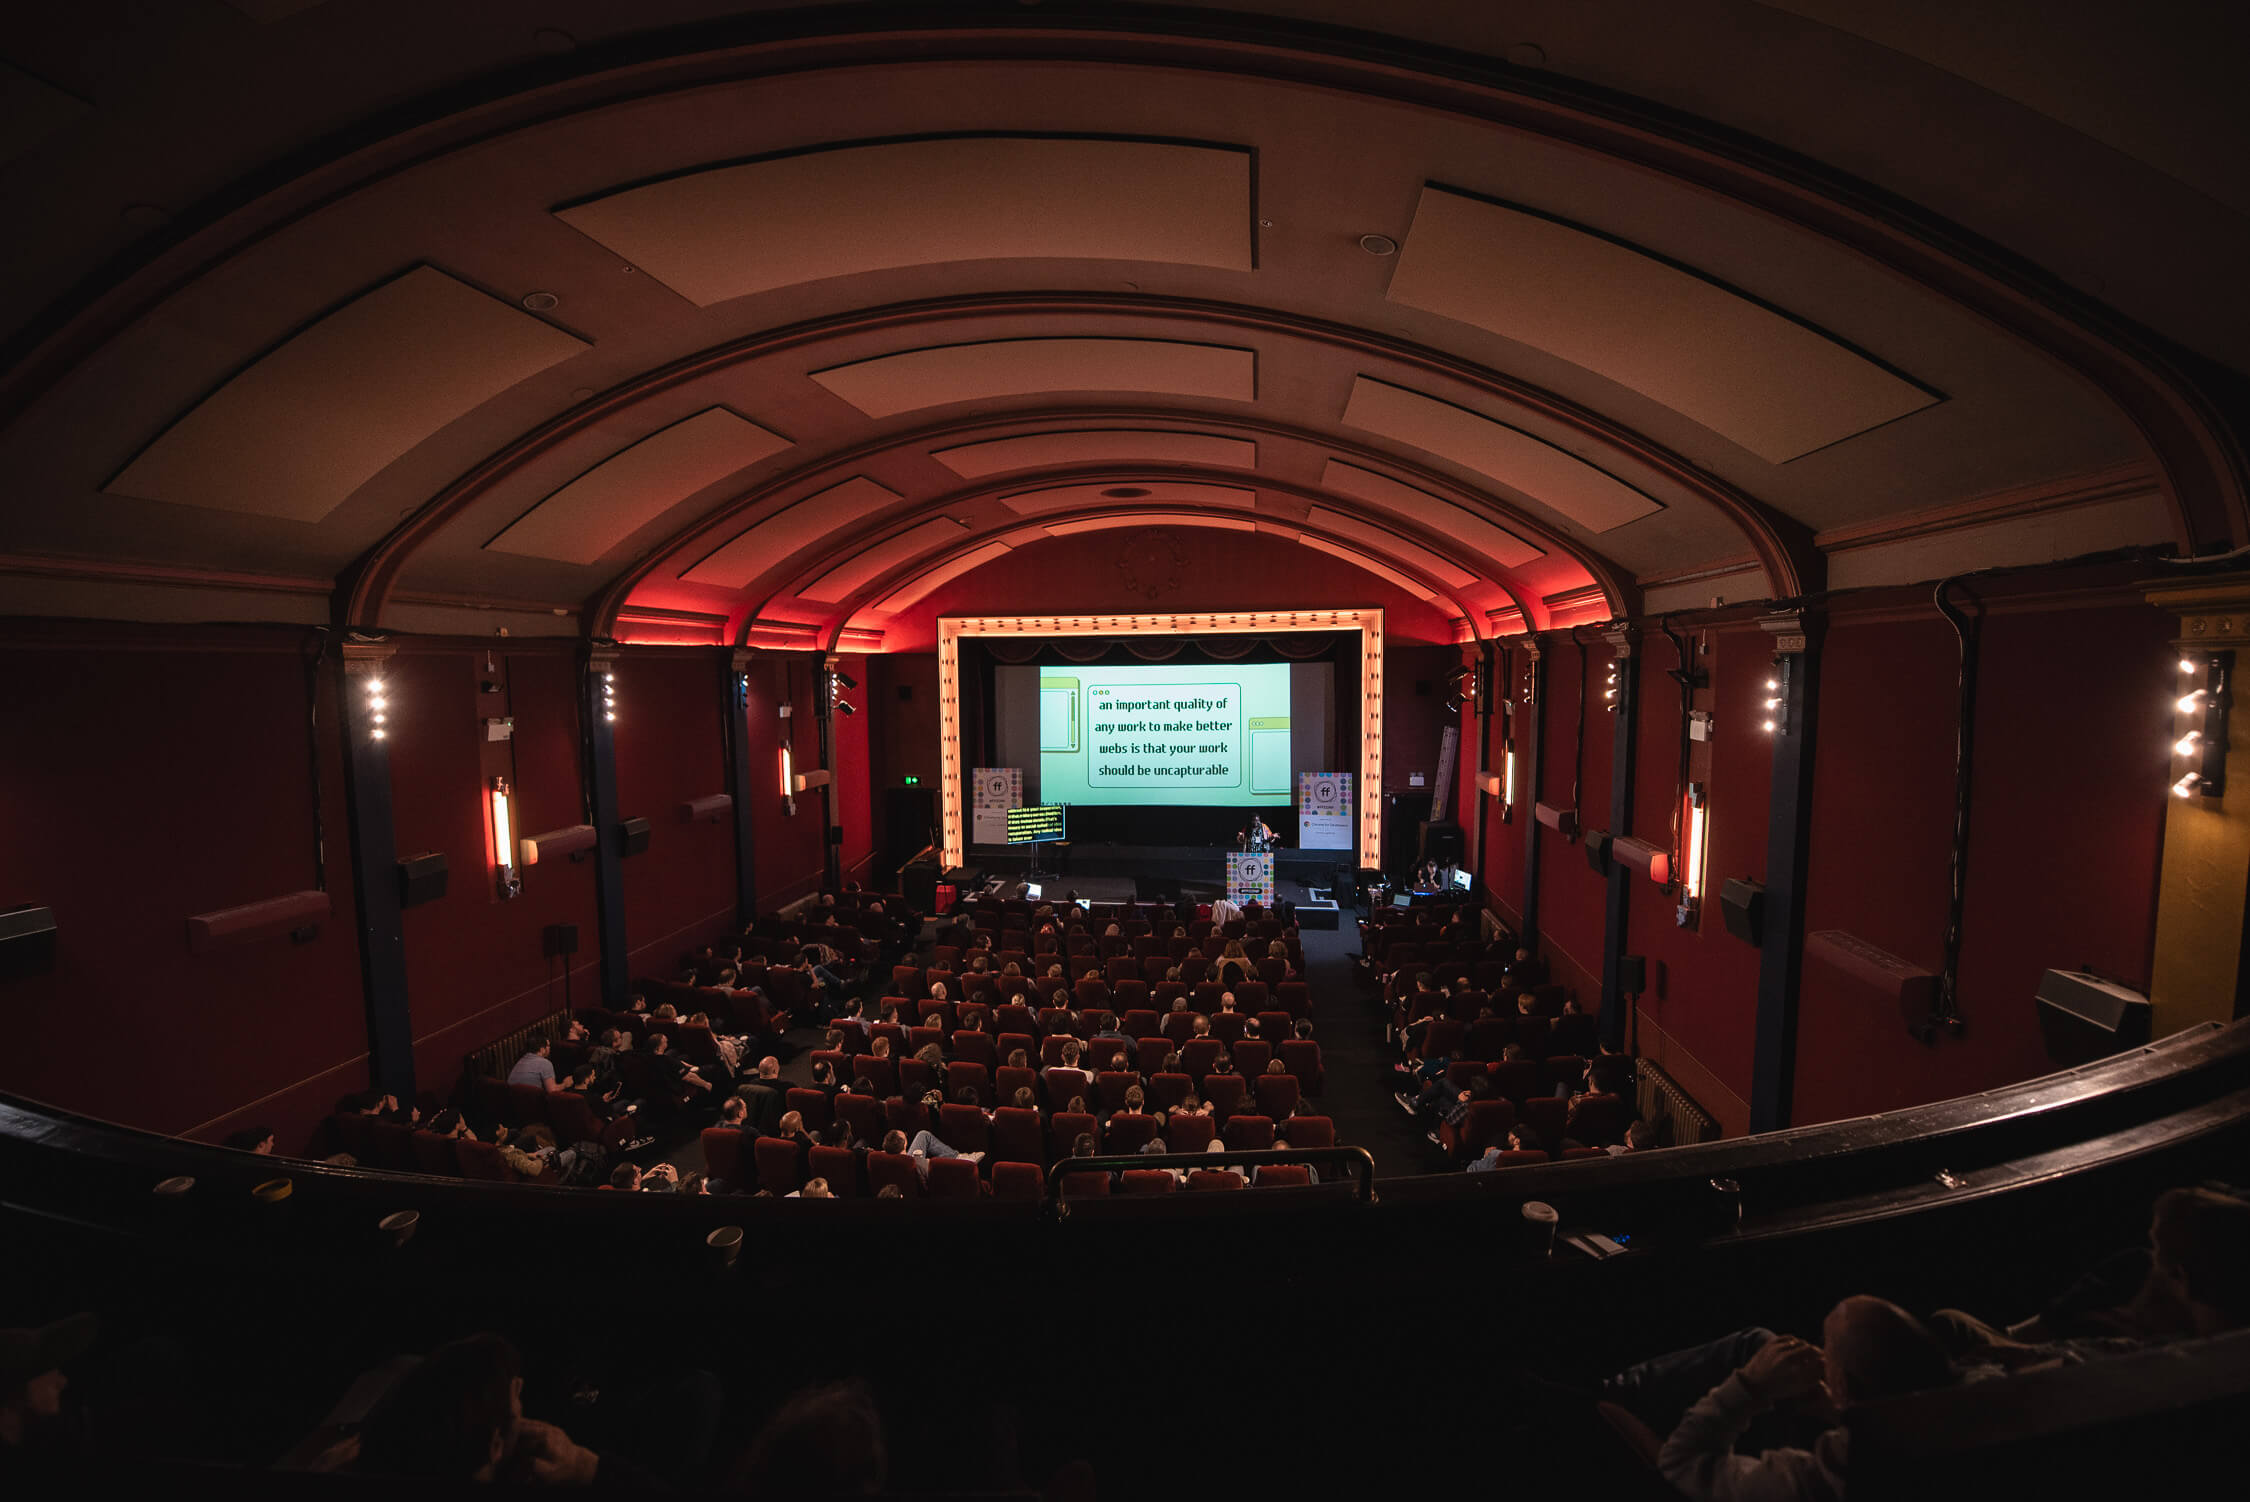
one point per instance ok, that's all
(174, 1188)
(399, 1225)
(726, 1242)
(272, 1191)
(1539, 1221)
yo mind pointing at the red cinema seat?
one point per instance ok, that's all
(1565, 1069)
(1275, 1026)
(963, 1128)
(840, 1167)
(1216, 1178)
(1310, 1131)
(1190, 1134)
(1443, 1040)
(1249, 1133)
(1227, 1027)
(1545, 1114)
(1017, 1136)
(1197, 1056)
(1057, 1022)
(881, 1073)
(1283, 1176)
(1301, 1057)
(1168, 1090)
(812, 1105)
(1110, 1087)
(908, 1116)
(1520, 1157)
(1006, 1082)
(1486, 1125)
(896, 1170)
(1014, 1017)
(434, 1154)
(391, 1146)
(961, 1075)
(778, 1164)
(482, 1160)
(1277, 1095)
(864, 1115)
(1250, 1057)
(1573, 1154)
(1065, 1128)
(1018, 1181)
(1295, 998)
(1575, 1033)
(1226, 1093)
(954, 1179)
(1147, 1181)
(838, 1061)
(1140, 1022)
(976, 1048)
(526, 1104)
(1129, 1132)
(1519, 1079)
(1597, 1120)
(1011, 1044)
(722, 1155)
(1078, 1186)
(1105, 1053)
(916, 1079)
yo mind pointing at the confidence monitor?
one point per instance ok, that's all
(1035, 824)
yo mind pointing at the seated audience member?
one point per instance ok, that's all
(764, 1094)
(824, 1080)
(32, 1382)
(1067, 1078)
(1111, 1032)
(534, 1069)
(458, 1416)
(256, 1139)
(924, 1146)
(1639, 1138)
(1155, 1148)
(815, 1189)
(735, 1112)
(683, 1079)
(1870, 1350)
(825, 1442)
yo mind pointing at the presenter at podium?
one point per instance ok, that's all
(1260, 835)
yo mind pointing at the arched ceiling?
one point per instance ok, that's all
(809, 325)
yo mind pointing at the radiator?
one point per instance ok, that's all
(500, 1055)
(1678, 1120)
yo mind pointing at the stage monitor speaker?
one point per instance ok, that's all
(1743, 904)
(421, 878)
(2083, 1017)
(632, 836)
(1632, 974)
(1442, 843)
(559, 939)
(27, 942)
(1597, 851)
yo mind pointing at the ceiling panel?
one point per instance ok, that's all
(1434, 512)
(733, 231)
(1593, 498)
(906, 382)
(912, 592)
(1096, 446)
(602, 507)
(863, 566)
(1391, 546)
(1106, 493)
(312, 421)
(751, 552)
(1358, 559)
(1750, 373)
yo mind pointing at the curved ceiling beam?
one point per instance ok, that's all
(827, 554)
(715, 528)
(1783, 547)
(1175, 513)
(2206, 473)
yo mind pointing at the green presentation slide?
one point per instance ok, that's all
(1194, 734)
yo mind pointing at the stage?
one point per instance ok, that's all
(1127, 873)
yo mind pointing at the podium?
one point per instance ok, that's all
(1250, 876)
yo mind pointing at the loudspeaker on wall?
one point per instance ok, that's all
(1742, 902)
(421, 878)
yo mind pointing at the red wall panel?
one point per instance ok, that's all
(1500, 865)
(143, 784)
(855, 774)
(2072, 725)
(678, 893)
(902, 736)
(1571, 895)
(788, 845)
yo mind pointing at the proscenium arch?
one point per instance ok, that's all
(1783, 547)
(714, 528)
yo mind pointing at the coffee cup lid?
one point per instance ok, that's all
(1539, 1210)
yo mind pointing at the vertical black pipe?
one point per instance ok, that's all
(1781, 944)
(601, 804)
(1529, 789)
(1624, 742)
(824, 714)
(734, 737)
(375, 895)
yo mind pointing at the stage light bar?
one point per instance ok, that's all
(2199, 749)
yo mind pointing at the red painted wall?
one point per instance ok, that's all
(678, 893)
(902, 738)
(148, 777)
(788, 845)
(1571, 896)
(855, 774)
(2072, 726)
(1501, 862)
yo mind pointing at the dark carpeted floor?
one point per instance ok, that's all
(1356, 1060)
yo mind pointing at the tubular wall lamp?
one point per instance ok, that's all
(502, 803)
(1696, 824)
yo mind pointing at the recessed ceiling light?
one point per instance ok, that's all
(541, 302)
(1378, 245)
(1125, 492)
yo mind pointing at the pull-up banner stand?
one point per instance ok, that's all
(993, 791)
(1324, 811)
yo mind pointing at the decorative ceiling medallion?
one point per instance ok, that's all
(1149, 562)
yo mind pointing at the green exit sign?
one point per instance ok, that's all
(912, 781)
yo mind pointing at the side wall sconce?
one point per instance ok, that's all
(2199, 719)
(503, 839)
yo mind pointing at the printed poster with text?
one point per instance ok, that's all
(1324, 810)
(993, 791)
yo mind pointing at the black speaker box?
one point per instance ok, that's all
(2084, 1017)
(1632, 974)
(1597, 851)
(27, 942)
(421, 878)
(1443, 843)
(559, 938)
(632, 836)
(1742, 903)
(835, 834)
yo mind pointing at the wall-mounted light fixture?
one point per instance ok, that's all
(1609, 689)
(2199, 720)
(788, 779)
(378, 711)
(1696, 827)
(503, 838)
(609, 697)
(1775, 720)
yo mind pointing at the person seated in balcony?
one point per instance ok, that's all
(1870, 1350)
(923, 1146)
(764, 1093)
(681, 1079)
(534, 1068)
(824, 1080)
(1640, 1137)
(252, 1139)
(1066, 1078)
(1111, 1032)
